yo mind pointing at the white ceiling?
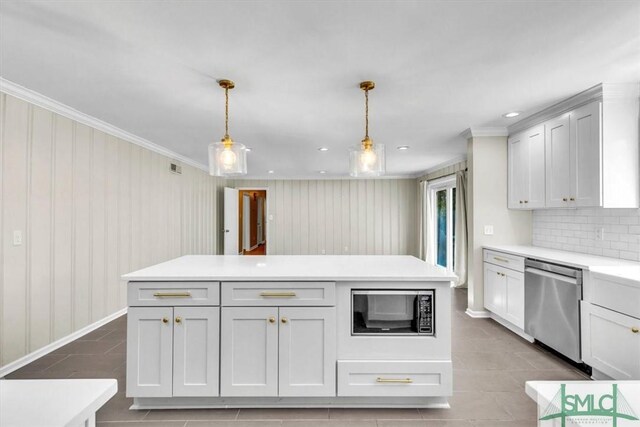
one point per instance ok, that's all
(151, 67)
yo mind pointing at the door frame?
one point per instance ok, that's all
(267, 212)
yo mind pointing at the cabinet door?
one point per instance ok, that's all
(536, 158)
(307, 351)
(559, 162)
(196, 351)
(495, 290)
(586, 151)
(518, 171)
(609, 342)
(149, 351)
(249, 351)
(514, 302)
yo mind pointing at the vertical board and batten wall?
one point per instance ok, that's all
(90, 207)
(342, 216)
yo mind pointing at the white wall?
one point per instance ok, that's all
(487, 194)
(339, 216)
(575, 230)
(90, 207)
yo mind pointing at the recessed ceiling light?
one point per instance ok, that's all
(271, 172)
(323, 149)
(403, 147)
(511, 114)
(247, 149)
(323, 172)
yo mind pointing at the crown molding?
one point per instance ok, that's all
(14, 89)
(600, 92)
(488, 131)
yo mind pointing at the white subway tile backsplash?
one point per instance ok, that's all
(576, 230)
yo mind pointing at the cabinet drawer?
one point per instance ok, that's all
(394, 378)
(278, 293)
(610, 342)
(615, 293)
(173, 293)
(513, 262)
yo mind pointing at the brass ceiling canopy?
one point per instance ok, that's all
(226, 84)
(367, 85)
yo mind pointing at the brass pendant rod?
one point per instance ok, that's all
(226, 112)
(366, 113)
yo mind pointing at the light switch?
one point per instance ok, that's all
(17, 237)
(488, 230)
(600, 233)
(270, 217)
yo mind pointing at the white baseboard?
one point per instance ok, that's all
(25, 360)
(482, 314)
(512, 328)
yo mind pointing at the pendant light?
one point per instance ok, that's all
(227, 158)
(366, 159)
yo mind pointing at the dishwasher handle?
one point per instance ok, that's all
(551, 275)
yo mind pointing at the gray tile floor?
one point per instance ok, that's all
(490, 363)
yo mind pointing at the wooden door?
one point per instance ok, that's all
(307, 364)
(249, 351)
(149, 351)
(196, 351)
(586, 151)
(231, 221)
(559, 163)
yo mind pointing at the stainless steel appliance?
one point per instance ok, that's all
(392, 312)
(552, 295)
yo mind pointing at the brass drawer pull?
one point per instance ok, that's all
(165, 320)
(635, 330)
(172, 294)
(394, 380)
(178, 319)
(284, 320)
(497, 258)
(272, 319)
(268, 294)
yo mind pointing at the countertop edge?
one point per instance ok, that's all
(284, 279)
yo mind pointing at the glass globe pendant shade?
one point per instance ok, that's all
(227, 158)
(367, 160)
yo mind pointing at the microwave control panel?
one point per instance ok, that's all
(425, 309)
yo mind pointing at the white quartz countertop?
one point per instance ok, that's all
(576, 259)
(293, 267)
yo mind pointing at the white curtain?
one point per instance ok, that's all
(427, 250)
(460, 249)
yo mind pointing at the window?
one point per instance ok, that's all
(442, 195)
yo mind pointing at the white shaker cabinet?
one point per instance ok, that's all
(307, 342)
(249, 351)
(149, 351)
(526, 169)
(602, 327)
(196, 351)
(586, 153)
(285, 351)
(504, 289)
(559, 163)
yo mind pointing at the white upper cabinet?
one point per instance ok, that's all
(526, 169)
(559, 162)
(581, 152)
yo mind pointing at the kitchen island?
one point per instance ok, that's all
(289, 331)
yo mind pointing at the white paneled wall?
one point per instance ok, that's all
(374, 217)
(577, 230)
(90, 207)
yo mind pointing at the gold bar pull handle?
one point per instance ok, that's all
(394, 380)
(280, 294)
(497, 258)
(172, 294)
(635, 330)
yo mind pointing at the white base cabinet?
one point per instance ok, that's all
(611, 342)
(504, 290)
(172, 351)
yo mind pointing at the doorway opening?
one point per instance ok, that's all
(252, 222)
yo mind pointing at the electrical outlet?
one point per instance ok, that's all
(488, 230)
(323, 252)
(600, 233)
(17, 237)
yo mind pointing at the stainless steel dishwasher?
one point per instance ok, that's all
(552, 295)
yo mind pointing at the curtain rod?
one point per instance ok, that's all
(447, 174)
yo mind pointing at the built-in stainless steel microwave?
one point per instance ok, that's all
(392, 312)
